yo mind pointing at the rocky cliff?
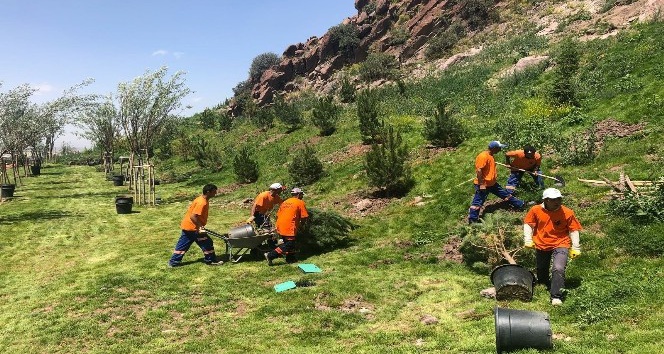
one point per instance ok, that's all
(314, 62)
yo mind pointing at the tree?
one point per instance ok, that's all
(346, 38)
(346, 90)
(245, 167)
(567, 65)
(305, 168)
(367, 113)
(379, 66)
(261, 63)
(442, 130)
(147, 103)
(325, 115)
(101, 125)
(387, 164)
(287, 112)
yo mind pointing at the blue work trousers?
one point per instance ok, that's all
(480, 197)
(515, 178)
(187, 238)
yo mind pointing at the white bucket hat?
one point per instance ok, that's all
(551, 193)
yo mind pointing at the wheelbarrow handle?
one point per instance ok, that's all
(216, 234)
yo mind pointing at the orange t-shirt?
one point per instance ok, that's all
(199, 207)
(519, 160)
(290, 213)
(265, 202)
(487, 164)
(551, 228)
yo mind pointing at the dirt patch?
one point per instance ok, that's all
(611, 128)
(229, 188)
(381, 262)
(428, 153)
(509, 292)
(272, 139)
(346, 153)
(451, 251)
(363, 204)
(354, 304)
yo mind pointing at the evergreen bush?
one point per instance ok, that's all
(263, 118)
(261, 63)
(324, 231)
(443, 130)
(245, 167)
(564, 88)
(346, 90)
(387, 164)
(346, 38)
(367, 113)
(288, 113)
(325, 115)
(305, 168)
(379, 66)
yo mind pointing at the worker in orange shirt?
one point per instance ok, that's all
(292, 213)
(527, 159)
(263, 205)
(486, 182)
(553, 230)
(193, 230)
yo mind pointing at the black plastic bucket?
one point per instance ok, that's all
(7, 190)
(520, 329)
(118, 180)
(513, 281)
(123, 204)
(36, 170)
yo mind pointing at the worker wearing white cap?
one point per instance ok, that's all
(553, 230)
(263, 205)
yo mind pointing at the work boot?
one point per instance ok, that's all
(290, 258)
(556, 302)
(267, 258)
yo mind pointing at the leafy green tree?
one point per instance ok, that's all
(245, 167)
(443, 130)
(478, 13)
(225, 121)
(288, 113)
(345, 37)
(325, 115)
(261, 63)
(379, 66)
(387, 164)
(367, 113)
(208, 118)
(305, 168)
(147, 103)
(567, 65)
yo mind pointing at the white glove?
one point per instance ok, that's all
(528, 236)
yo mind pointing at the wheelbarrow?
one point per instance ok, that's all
(242, 240)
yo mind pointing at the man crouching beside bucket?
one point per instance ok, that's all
(292, 213)
(552, 229)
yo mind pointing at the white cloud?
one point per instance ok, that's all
(160, 52)
(178, 55)
(42, 88)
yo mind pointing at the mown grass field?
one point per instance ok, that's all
(77, 277)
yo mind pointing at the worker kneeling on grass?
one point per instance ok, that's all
(292, 213)
(193, 230)
(527, 159)
(552, 229)
(486, 182)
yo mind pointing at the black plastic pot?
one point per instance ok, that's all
(7, 190)
(123, 204)
(118, 180)
(513, 281)
(519, 329)
(36, 170)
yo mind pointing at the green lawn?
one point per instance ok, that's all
(77, 277)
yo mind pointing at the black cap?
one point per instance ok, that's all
(528, 150)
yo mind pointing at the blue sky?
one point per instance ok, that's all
(55, 44)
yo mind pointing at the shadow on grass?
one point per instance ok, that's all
(109, 194)
(35, 215)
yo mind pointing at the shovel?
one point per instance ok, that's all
(560, 182)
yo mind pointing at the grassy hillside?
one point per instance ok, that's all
(78, 278)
